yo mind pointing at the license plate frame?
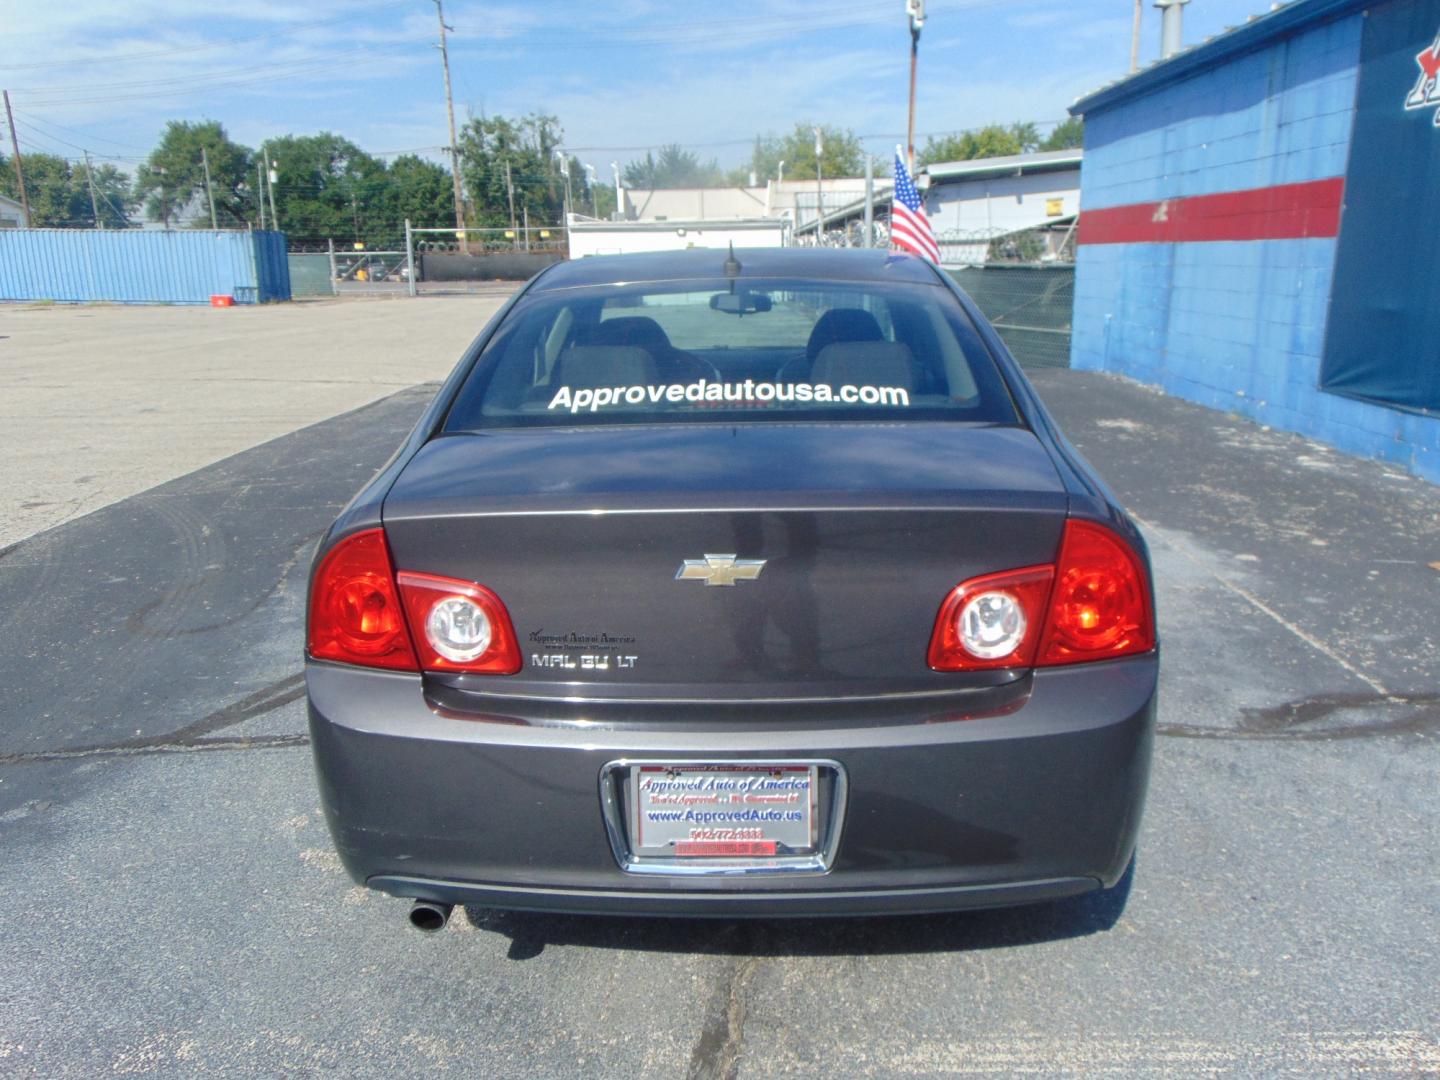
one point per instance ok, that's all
(816, 789)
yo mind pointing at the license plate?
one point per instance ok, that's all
(722, 811)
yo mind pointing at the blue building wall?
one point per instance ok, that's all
(1234, 325)
(134, 266)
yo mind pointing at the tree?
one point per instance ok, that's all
(993, 140)
(420, 191)
(173, 176)
(59, 192)
(602, 196)
(527, 145)
(112, 195)
(1069, 133)
(842, 156)
(676, 167)
(326, 187)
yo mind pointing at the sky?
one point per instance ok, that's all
(623, 76)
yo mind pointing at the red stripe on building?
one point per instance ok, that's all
(1283, 212)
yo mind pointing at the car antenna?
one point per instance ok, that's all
(732, 264)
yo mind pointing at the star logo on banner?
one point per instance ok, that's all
(1427, 87)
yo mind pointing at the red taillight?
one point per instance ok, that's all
(1094, 604)
(355, 614)
(1025, 592)
(362, 612)
(1101, 605)
(459, 625)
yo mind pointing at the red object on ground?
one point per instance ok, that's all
(222, 301)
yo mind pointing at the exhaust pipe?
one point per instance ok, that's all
(430, 917)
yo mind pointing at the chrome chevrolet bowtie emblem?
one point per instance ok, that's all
(720, 569)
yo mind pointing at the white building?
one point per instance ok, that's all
(12, 214)
(971, 203)
(591, 237)
(695, 204)
(791, 199)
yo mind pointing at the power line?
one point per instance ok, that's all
(750, 140)
(44, 122)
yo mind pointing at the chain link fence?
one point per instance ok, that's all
(1030, 305)
(429, 261)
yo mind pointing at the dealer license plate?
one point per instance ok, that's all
(722, 811)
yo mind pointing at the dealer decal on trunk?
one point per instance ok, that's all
(578, 651)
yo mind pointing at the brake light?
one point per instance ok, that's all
(1094, 604)
(355, 614)
(459, 625)
(1101, 605)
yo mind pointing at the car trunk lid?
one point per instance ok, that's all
(846, 537)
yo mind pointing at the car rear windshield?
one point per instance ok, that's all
(731, 351)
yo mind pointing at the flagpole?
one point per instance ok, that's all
(915, 9)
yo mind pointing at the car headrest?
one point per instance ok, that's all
(628, 330)
(865, 363)
(592, 366)
(842, 324)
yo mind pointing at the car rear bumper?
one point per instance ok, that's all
(1037, 804)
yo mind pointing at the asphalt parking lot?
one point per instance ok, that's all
(172, 906)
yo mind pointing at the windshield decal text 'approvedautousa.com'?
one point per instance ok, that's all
(593, 399)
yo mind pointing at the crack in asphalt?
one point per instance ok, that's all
(1299, 719)
(242, 742)
(717, 1052)
(197, 735)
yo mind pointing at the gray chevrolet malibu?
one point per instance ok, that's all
(755, 583)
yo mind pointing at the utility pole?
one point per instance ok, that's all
(410, 259)
(916, 10)
(209, 190)
(90, 182)
(270, 184)
(510, 193)
(1135, 37)
(1171, 14)
(619, 192)
(569, 195)
(19, 168)
(819, 190)
(260, 192)
(869, 201)
(454, 146)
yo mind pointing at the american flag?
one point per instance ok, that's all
(909, 227)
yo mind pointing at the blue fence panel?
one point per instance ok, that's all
(272, 266)
(138, 266)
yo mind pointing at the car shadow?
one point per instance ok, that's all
(1056, 920)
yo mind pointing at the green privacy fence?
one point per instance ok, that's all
(1029, 305)
(310, 275)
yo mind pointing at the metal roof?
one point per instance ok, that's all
(1012, 165)
(1259, 31)
(708, 265)
(884, 193)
